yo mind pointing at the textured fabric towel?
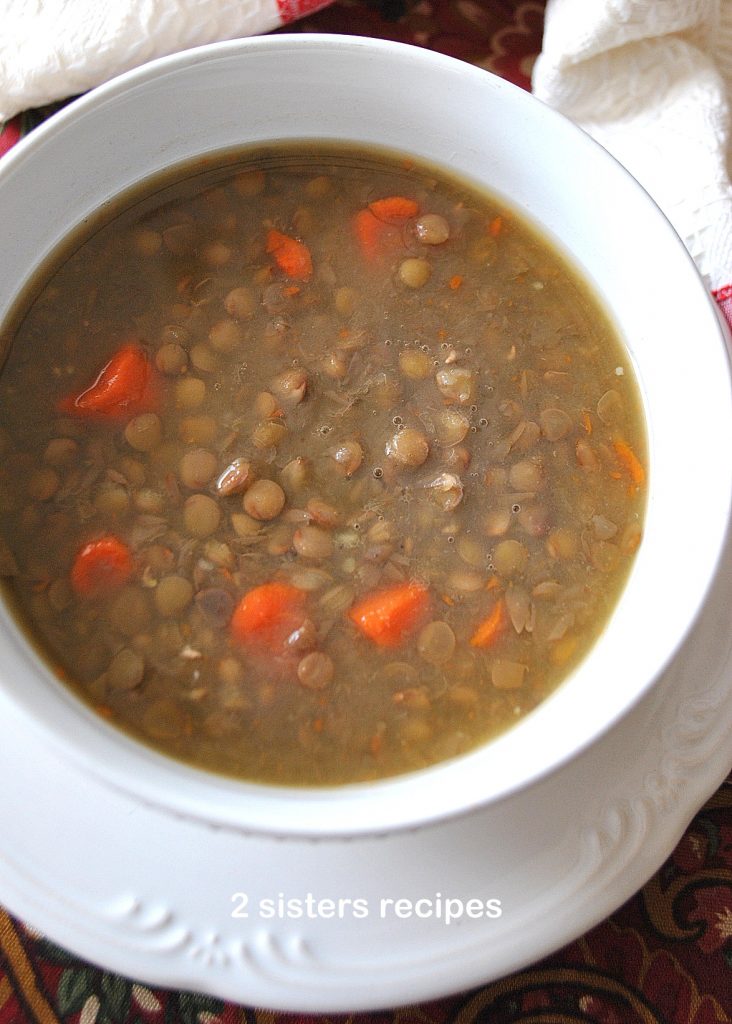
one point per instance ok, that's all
(650, 80)
(51, 49)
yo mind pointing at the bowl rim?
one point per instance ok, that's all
(359, 808)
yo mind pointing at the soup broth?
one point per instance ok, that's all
(318, 465)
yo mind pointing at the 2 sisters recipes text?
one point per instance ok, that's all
(439, 907)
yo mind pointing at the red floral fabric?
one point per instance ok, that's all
(665, 957)
(9, 135)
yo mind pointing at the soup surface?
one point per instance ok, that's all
(317, 466)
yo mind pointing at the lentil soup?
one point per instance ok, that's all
(317, 466)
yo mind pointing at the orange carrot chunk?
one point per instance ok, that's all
(378, 227)
(388, 616)
(490, 629)
(267, 615)
(394, 209)
(290, 255)
(630, 461)
(101, 566)
(370, 233)
(125, 386)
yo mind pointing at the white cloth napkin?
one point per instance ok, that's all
(650, 80)
(51, 49)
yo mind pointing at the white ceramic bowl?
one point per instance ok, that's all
(415, 101)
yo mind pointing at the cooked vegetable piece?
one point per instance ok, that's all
(630, 461)
(507, 675)
(290, 255)
(492, 626)
(378, 226)
(101, 566)
(371, 234)
(125, 386)
(266, 615)
(390, 616)
(394, 209)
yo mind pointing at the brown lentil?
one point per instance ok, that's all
(264, 500)
(201, 515)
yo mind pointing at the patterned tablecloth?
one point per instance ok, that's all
(665, 956)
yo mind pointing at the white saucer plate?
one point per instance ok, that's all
(175, 903)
